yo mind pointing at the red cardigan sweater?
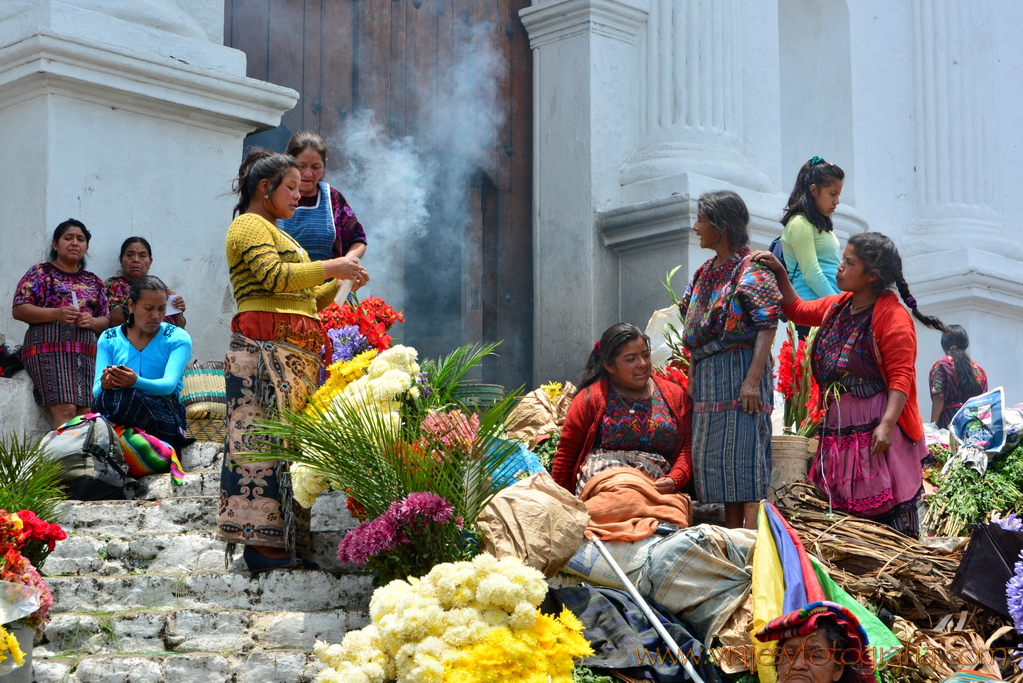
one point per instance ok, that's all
(582, 425)
(894, 346)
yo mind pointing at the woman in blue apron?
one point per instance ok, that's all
(324, 224)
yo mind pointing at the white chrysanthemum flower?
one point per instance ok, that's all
(307, 485)
(523, 617)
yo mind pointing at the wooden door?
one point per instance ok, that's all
(389, 56)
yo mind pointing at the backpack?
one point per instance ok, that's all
(92, 462)
(777, 250)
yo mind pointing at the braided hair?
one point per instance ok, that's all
(881, 258)
(954, 342)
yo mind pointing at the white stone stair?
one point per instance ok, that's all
(141, 594)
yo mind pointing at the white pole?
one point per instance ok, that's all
(661, 631)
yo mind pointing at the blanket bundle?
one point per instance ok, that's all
(624, 506)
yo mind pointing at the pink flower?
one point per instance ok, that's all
(371, 538)
(423, 505)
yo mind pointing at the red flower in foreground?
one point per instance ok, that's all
(673, 374)
(39, 530)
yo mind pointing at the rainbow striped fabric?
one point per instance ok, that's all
(145, 454)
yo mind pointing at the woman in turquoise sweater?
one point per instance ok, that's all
(139, 366)
(808, 240)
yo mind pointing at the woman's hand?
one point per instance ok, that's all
(882, 437)
(118, 377)
(68, 314)
(665, 485)
(360, 280)
(84, 319)
(749, 396)
(769, 261)
(178, 302)
(344, 268)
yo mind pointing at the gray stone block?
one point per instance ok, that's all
(204, 668)
(118, 670)
(277, 666)
(209, 631)
(51, 670)
(202, 456)
(123, 518)
(296, 590)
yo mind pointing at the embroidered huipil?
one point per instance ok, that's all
(728, 305)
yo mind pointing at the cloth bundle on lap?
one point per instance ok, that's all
(624, 505)
(144, 454)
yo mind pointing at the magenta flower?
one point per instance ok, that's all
(371, 538)
(421, 506)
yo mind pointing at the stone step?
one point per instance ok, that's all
(281, 590)
(202, 456)
(188, 550)
(195, 483)
(258, 666)
(192, 630)
(124, 518)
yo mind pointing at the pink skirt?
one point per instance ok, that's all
(849, 476)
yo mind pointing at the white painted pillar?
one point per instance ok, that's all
(953, 192)
(129, 116)
(584, 95)
(691, 95)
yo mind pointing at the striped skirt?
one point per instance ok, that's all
(61, 360)
(731, 448)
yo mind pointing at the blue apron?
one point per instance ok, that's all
(313, 227)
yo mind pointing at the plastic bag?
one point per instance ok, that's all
(17, 601)
(657, 330)
(980, 428)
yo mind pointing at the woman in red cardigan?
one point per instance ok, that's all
(625, 417)
(864, 358)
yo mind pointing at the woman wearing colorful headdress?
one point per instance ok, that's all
(820, 643)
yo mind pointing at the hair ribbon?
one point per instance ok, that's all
(911, 302)
(596, 347)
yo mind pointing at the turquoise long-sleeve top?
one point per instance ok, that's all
(159, 366)
(811, 258)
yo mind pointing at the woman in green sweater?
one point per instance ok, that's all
(273, 361)
(808, 240)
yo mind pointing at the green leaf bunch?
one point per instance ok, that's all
(29, 480)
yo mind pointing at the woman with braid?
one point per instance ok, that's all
(864, 358)
(273, 362)
(955, 378)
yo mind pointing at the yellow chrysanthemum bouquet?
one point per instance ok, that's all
(464, 622)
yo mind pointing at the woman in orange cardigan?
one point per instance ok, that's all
(864, 358)
(625, 417)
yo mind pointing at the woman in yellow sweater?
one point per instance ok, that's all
(273, 361)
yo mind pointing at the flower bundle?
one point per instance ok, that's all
(385, 543)
(371, 317)
(553, 390)
(464, 622)
(346, 343)
(9, 649)
(803, 413)
(449, 432)
(673, 374)
(380, 383)
(15, 531)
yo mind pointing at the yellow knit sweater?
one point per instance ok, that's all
(271, 272)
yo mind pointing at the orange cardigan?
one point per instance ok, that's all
(582, 424)
(894, 346)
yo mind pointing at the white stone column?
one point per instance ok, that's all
(130, 117)
(584, 106)
(953, 187)
(126, 116)
(691, 108)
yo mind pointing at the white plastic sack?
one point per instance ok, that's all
(657, 330)
(630, 556)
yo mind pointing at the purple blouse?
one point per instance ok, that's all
(47, 286)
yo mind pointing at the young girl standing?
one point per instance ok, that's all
(808, 240)
(863, 358)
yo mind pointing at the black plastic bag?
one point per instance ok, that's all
(987, 565)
